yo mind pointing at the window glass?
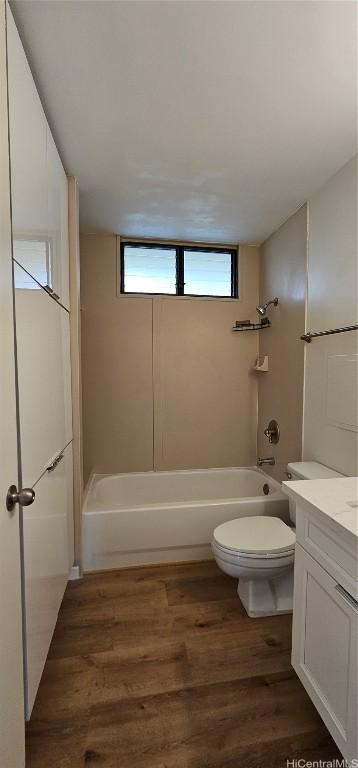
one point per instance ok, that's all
(149, 269)
(207, 273)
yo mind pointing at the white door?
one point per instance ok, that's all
(12, 738)
(40, 251)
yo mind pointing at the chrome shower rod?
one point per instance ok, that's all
(309, 336)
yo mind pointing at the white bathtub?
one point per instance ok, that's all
(159, 517)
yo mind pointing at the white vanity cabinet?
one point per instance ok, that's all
(324, 649)
(325, 610)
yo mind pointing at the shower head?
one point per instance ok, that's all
(262, 308)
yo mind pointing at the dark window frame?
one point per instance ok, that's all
(179, 261)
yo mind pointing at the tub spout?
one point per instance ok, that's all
(266, 462)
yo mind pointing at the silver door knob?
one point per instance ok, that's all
(25, 497)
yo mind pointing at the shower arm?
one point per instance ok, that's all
(273, 301)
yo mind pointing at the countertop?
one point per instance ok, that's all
(336, 499)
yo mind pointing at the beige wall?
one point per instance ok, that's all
(283, 274)
(331, 371)
(116, 366)
(166, 384)
(205, 394)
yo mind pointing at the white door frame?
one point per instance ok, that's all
(12, 728)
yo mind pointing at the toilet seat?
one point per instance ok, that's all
(256, 537)
(248, 556)
(253, 562)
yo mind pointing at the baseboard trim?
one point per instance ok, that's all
(159, 564)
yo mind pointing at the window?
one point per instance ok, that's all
(178, 270)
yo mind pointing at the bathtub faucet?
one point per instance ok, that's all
(263, 462)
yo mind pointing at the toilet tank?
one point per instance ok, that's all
(307, 470)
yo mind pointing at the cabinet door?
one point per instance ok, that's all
(38, 181)
(43, 356)
(57, 223)
(47, 535)
(28, 150)
(324, 648)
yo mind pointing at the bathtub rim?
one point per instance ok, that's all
(110, 507)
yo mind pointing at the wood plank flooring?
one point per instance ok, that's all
(160, 667)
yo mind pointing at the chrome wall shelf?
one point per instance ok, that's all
(251, 327)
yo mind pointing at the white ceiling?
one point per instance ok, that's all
(195, 120)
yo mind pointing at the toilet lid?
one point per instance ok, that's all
(256, 535)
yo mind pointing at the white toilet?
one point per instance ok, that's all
(259, 552)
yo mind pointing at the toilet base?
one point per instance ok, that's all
(267, 597)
